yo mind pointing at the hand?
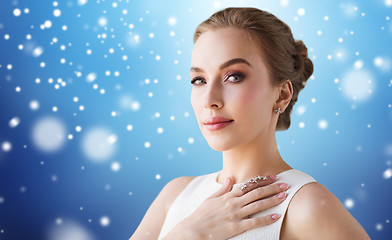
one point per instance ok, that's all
(226, 212)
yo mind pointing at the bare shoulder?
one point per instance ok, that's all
(315, 213)
(152, 222)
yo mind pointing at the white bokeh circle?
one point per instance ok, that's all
(358, 84)
(98, 144)
(48, 134)
(68, 229)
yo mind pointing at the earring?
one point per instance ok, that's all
(278, 111)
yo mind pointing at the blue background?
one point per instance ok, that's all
(344, 143)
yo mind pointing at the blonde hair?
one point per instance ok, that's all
(285, 57)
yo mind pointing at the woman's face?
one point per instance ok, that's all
(240, 91)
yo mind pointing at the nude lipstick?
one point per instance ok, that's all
(217, 123)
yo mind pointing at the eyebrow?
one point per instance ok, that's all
(224, 65)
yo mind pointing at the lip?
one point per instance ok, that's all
(216, 123)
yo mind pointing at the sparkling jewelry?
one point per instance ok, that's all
(278, 110)
(243, 185)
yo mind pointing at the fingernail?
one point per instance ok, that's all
(281, 195)
(227, 180)
(274, 216)
(273, 177)
(283, 186)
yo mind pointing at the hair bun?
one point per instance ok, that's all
(303, 64)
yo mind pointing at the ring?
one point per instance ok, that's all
(254, 180)
(258, 184)
(243, 186)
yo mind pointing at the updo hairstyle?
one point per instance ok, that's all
(284, 57)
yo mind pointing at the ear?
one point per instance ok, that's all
(285, 94)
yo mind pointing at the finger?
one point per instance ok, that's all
(266, 181)
(263, 204)
(256, 222)
(226, 187)
(261, 182)
(262, 192)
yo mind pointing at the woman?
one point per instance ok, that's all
(247, 71)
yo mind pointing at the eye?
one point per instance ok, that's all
(237, 77)
(197, 80)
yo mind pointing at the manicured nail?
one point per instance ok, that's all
(227, 180)
(281, 195)
(273, 177)
(283, 186)
(274, 216)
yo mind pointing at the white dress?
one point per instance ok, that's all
(201, 187)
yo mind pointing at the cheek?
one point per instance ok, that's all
(251, 104)
(195, 103)
(245, 98)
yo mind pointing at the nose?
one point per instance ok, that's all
(213, 97)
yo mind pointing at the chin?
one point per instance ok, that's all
(219, 145)
(220, 141)
(219, 148)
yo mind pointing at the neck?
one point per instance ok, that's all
(258, 157)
